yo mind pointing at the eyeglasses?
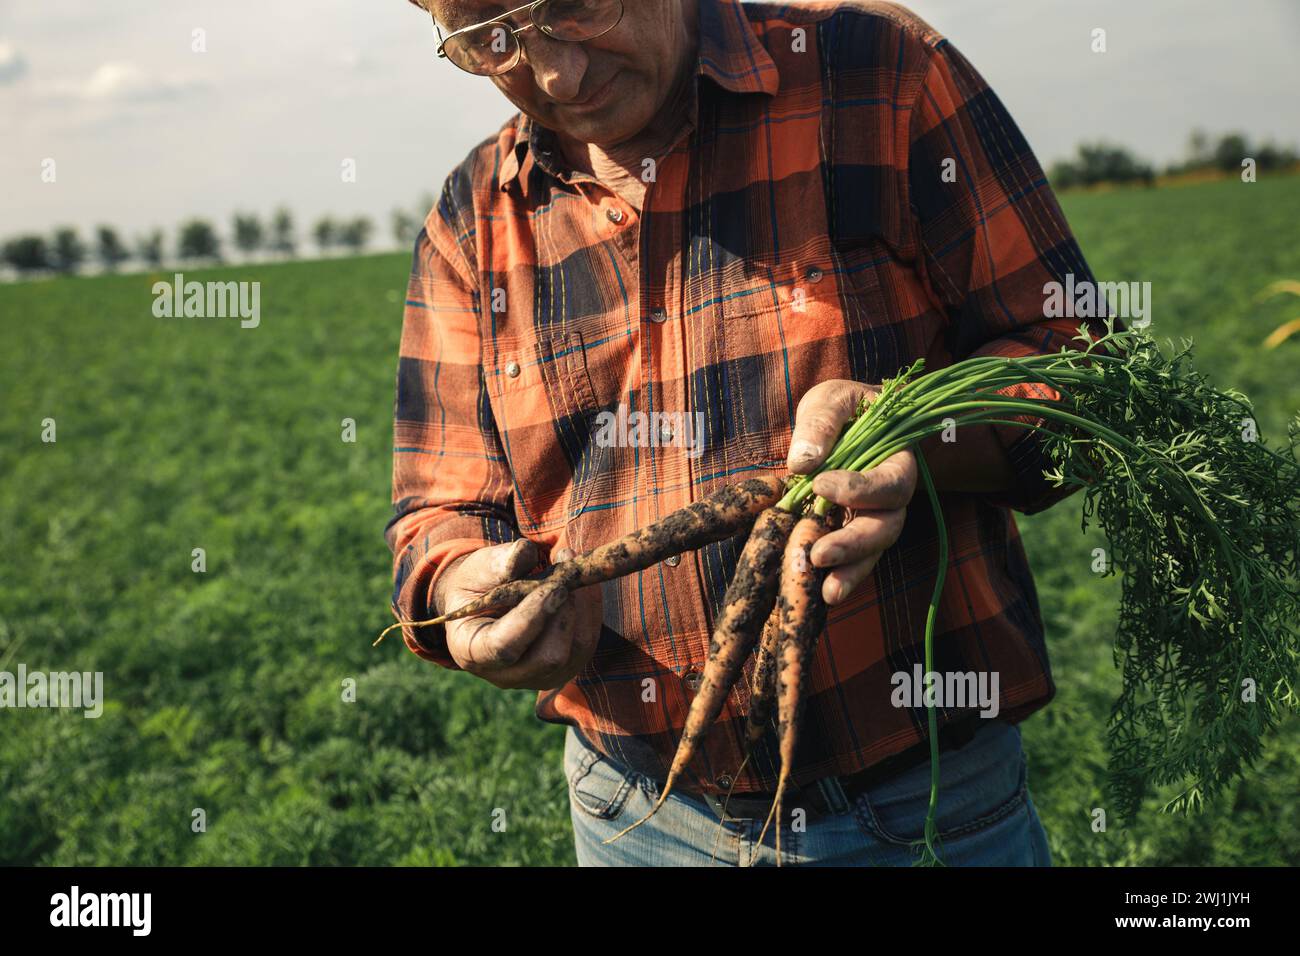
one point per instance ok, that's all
(492, 47)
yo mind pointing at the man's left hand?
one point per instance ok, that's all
(877, 499)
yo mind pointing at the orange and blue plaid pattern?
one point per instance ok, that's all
(851, 196)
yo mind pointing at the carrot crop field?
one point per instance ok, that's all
(226, 691)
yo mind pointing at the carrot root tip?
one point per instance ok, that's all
(776, 809)
(393, 627)
(653, 810)
(722, 822)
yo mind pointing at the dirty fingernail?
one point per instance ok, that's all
(804, 450)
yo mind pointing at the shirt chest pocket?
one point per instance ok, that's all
(546, 405)
(817, 315)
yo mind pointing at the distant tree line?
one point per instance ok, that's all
(197, 241)
(1097, 163)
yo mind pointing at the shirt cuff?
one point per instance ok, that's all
(430, 642)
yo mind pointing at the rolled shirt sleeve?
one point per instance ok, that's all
(452, 489)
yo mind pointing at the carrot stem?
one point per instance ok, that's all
(930, 855)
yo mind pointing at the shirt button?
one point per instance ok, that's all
(666, 435)
(724, 781)
(673, 560)
(658, 315)
(513, 369)
(813, 274)
(614, 214)
(692, 680)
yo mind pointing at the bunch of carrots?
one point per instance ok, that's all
(1203, 523)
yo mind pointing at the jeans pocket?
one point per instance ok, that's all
(596, 785)
(980, 785)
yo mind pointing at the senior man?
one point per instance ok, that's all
(739, 217)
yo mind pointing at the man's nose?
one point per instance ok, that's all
(558, 67)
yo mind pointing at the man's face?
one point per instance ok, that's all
(602, 91)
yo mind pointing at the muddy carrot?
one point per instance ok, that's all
(762, 685)
(747, 604)
(803, 616)
(720, 515)
(762, 701)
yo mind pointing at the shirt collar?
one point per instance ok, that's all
(729, 54)
(521, 144)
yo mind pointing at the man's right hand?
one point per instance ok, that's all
(540, 644)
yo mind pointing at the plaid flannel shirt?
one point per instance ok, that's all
(849, 196)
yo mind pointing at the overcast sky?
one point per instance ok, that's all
(145, 131)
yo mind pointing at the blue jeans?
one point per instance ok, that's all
(986, 816)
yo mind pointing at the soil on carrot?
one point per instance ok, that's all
(762, 688)
(752, 591)
(727, 511)
(803, 615)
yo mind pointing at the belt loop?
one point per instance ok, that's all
(833, 794)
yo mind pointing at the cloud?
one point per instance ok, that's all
(12, 64)
(121, 81)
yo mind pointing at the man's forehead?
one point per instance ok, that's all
(468, 11)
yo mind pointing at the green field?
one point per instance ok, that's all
(225, 688)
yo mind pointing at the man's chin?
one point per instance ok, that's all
(604, 132)
(605, 127)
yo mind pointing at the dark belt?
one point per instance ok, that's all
(834, 795)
